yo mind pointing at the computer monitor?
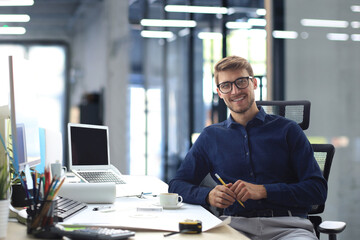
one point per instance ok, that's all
(23, 114)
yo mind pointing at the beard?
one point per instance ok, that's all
(244, 109)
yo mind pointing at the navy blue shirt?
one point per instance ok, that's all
(271, 150)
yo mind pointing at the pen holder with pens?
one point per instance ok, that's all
(42, 219)
(41, 206)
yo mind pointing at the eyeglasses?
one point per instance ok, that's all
(240, 83)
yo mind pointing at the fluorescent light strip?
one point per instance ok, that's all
(14, 18)
(261, 12)
(237, 25)
(12, 30)
(257, 22)
(355, 37)
(324, 23)
(355, 24)
(209, 35)
(16, 2)
(156, 34)
(167, 23)
(285, 34)
(355, 8)
(196, 9)
(337, 36)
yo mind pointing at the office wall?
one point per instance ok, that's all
(99, 62)
(327, 73)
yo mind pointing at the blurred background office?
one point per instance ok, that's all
(106, 62)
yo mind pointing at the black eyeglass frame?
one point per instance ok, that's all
(234, 82)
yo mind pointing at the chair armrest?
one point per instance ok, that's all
(331, 227)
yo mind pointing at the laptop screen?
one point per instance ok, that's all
(88, 145)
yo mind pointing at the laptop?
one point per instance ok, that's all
(89, 154)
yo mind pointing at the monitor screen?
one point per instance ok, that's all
(23, 114)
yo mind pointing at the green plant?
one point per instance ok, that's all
(8, 174)
(4, 180)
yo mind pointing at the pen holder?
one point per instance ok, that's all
(42, 219)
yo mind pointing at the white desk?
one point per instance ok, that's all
(147, 225)
(17, 231)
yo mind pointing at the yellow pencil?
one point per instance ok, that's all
(223, 183)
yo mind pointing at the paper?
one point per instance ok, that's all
(54, 148)
(226, 221)
(127, 216)
(51, 148)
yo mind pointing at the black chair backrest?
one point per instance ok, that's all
(324, 154)
(298, 111)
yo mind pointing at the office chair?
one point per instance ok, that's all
(299, 111)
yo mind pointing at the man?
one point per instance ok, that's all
(266, 160)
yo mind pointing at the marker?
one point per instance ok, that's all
(223, 183)
(101, 208)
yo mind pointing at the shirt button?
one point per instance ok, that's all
(247, 153)
(251, 174)
(245, 136)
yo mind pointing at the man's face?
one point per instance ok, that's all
(237, 100)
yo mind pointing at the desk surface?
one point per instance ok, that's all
(123, 216)
(17, 231)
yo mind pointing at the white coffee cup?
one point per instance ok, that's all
(57, 170)
(170, 199)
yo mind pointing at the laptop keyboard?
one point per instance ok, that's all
(66, 207)
(101, 177)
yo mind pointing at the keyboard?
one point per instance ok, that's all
(101, 177)
(66, 207)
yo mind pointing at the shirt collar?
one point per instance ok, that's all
(260, 116)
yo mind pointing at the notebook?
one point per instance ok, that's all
(89, 154)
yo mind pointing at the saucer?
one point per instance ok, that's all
(179, 205)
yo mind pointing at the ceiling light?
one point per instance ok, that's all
(167, 23)
(16, 2)
(324, 23)
(355, 24)
(285, 34)
(337, 36)
(257, 22)
(156, 34)
(261, 12)
(238, 25)
(12, 30)
(355, 8)
(14, 18)
(196, 9)
(209, 35)
(355, 37)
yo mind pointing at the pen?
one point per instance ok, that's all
(101, 207)
(223, 183)
(47, 175)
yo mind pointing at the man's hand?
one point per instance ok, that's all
(221, 196)
(244, 191)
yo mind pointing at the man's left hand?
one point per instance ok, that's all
(244, 191)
